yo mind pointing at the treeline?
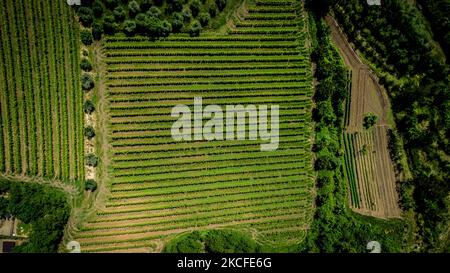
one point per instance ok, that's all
(152, 18)
(44, 208)
(437, 12)
(395, 38)
(213, 241)
(335, 227)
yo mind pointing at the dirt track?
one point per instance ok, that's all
(376, 181)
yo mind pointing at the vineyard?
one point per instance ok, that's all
(159, 187)
(40, 94)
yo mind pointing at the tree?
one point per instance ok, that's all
(154, 12)
(195, 7)
(134, 8)
(120, 14)
(86, 16)
(221, 4)
(86, 37)
(146, 5)
(88, 107)
(109, 24)
(165, 29)
(86, 65)
(177, 21)
(129, 27)
(194, 30)
(98, 8)
(89, 132)
(87, 82)
(187, 14)
(370, 120)
(111, 4)
(90, 185)
(212, 9)
(204, 18)
(91, 160)
(97, 31)
(174, 6)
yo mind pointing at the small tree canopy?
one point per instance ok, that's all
(88, 107)
(89, 132)
(370, 120)
(87, 82)
(86, 37)
(86, 65)
(90, 185)
(91, 160)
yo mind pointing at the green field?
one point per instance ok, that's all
(41, 97)
(159, 187)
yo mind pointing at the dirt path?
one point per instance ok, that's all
(375, 171)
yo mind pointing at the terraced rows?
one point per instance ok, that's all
(161, 187)
(41, 127)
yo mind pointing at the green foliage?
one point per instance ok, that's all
(85, 65)
(369, 120)
(87, 82)
(90, 185)
(89, 132)
(86, 37)
(195, 7)
(194, 30)
(45, 208)
(129, 27)
(213, 241)
(204, 18)
(91, 160)
(88, 107)
(335, 228)
(397, 39)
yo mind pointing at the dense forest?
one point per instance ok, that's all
(394, 37)
(44, 208)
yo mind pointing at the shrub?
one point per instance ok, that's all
(91, 160)
(86, 65)
(194, 30)
(204, 18)
(90, 185)
(88, 107)
(86, 37)
(87, 82)
(89, 132)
